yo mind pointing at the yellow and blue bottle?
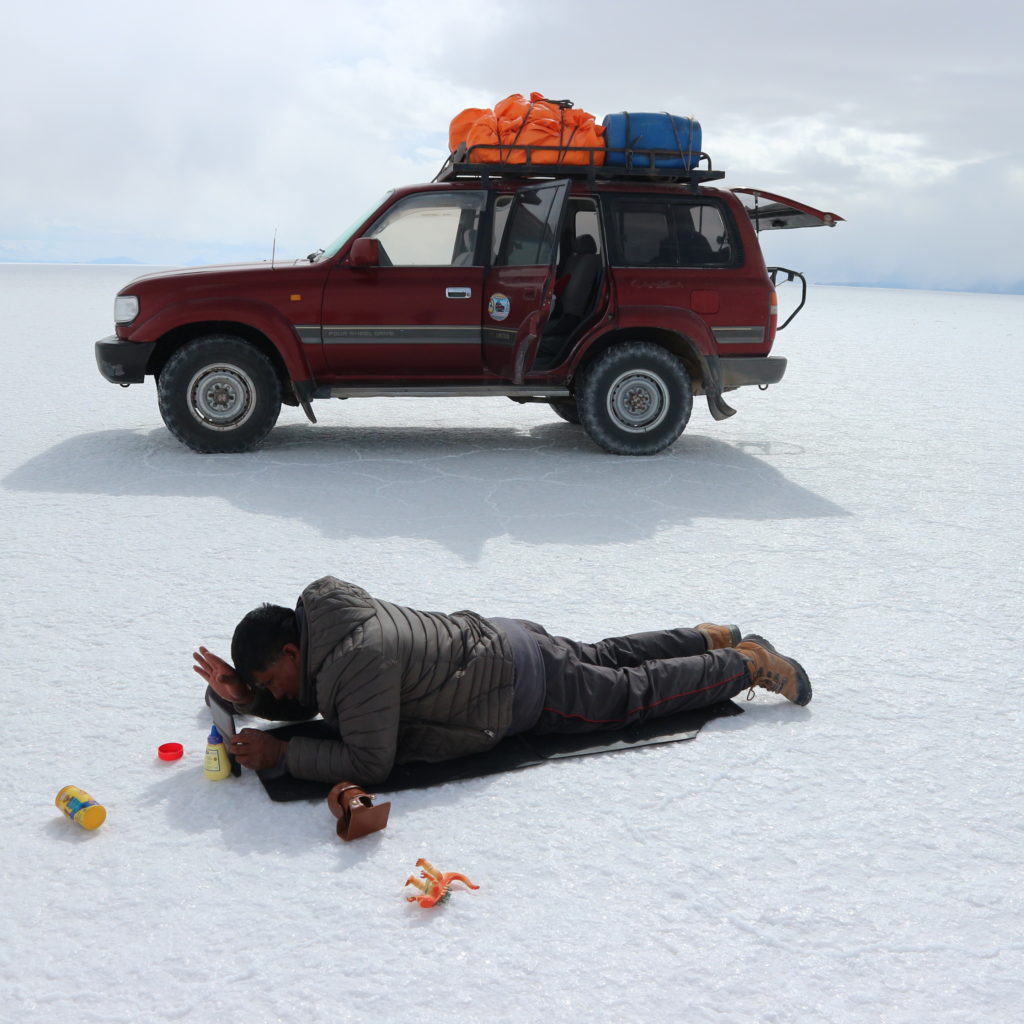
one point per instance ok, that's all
(81, 808)
(217, 764)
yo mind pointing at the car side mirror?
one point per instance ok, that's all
(365, 252)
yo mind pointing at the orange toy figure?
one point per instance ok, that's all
(436, 886)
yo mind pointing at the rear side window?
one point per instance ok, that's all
(669, 231)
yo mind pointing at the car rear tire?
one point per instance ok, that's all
(635, 399)
(219, 393)
(566, 409)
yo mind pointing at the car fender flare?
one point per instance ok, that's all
(678, 329)
(255, 315)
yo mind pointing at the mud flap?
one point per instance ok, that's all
(717, 406)
(303, 391)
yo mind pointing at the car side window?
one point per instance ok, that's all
(433, 229)
(582, 220)
(529, 238)
(499, 218)
(586, 221)
(668, 232)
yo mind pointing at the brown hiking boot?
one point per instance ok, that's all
(718, 637)
(774, 671)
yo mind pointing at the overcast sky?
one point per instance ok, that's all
(190, 132)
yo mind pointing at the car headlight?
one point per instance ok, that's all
(126, 309)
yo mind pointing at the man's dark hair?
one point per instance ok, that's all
(260, 637)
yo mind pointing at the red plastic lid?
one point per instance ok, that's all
(169, 751)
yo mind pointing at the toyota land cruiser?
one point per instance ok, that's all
(613, 294)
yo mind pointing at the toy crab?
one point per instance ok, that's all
(435, 885)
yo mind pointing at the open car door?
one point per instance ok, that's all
(518, 296)
(770, 212)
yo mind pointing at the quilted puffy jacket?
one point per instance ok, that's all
(398, 684)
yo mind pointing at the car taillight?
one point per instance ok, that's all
(773, 316)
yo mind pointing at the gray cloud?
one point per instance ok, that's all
(191, 134)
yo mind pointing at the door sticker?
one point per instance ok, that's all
(499, 306)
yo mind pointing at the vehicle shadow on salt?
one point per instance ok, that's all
(456, 486)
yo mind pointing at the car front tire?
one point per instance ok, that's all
(219, 393)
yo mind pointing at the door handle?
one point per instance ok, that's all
(459, 293)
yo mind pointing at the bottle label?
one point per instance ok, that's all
(213, 762)
(78, 806)
(71, 800)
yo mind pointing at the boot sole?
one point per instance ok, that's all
(803, 683)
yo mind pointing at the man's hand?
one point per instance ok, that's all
(257, 749)
(221, 677)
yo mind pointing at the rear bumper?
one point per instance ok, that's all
(742, 371)
(123, 362)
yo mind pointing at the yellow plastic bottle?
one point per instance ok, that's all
(216, 765)
(81, 808)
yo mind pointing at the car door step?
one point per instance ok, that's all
(442, 391)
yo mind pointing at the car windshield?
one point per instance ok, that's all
(332, 250)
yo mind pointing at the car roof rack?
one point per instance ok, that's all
(588, 163)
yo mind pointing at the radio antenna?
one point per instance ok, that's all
(273, 249)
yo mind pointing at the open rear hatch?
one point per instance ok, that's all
(770, 212)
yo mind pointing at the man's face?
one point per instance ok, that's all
(281, 677)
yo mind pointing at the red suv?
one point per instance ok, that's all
(612, 294)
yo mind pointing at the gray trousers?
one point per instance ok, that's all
(628, 679)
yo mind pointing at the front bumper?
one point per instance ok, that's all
(123, 362)
(742, 371)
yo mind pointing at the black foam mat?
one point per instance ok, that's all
(523, 751)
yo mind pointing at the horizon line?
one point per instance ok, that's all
(984, 289)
